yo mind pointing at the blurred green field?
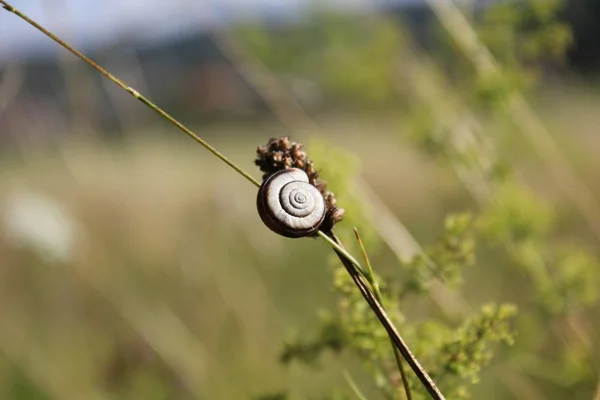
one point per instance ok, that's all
(141, 270)
(462, 140)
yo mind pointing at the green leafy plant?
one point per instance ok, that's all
(523, 37)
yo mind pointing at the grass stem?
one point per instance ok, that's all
(359, 395)
(375, 285)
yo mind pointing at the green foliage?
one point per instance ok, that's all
(446, 259)
(19, 386)
(522, 36)
(514, 215)
(522, 33)
(351, 57)
(307, 350)
(455, 353)
(356, 59)
(563, 276)
(339, 168)
(429, 135)
(576, 274)
(467, 352)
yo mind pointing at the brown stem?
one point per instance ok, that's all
(387, 324)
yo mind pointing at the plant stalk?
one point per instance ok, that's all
(412, 361)
(379, 298)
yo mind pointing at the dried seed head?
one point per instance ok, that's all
(279, 154)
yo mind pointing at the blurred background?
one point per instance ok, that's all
(133, 264)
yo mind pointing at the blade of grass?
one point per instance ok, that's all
(377, 292)
(338, 247)
(355, 389)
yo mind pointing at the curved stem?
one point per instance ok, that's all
(379, 298)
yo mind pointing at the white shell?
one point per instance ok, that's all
(289, 205)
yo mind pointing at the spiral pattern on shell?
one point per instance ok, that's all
(289, 205)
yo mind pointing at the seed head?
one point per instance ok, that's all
(279, 154)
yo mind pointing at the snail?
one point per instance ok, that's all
(289, 205)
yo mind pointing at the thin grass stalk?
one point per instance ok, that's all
(352, 266)
(355, 389)
(377, 292)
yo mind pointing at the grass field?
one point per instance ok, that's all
(141, 269)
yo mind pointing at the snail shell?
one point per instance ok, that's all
(289, 205)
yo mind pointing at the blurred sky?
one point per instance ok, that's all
(90, 22)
